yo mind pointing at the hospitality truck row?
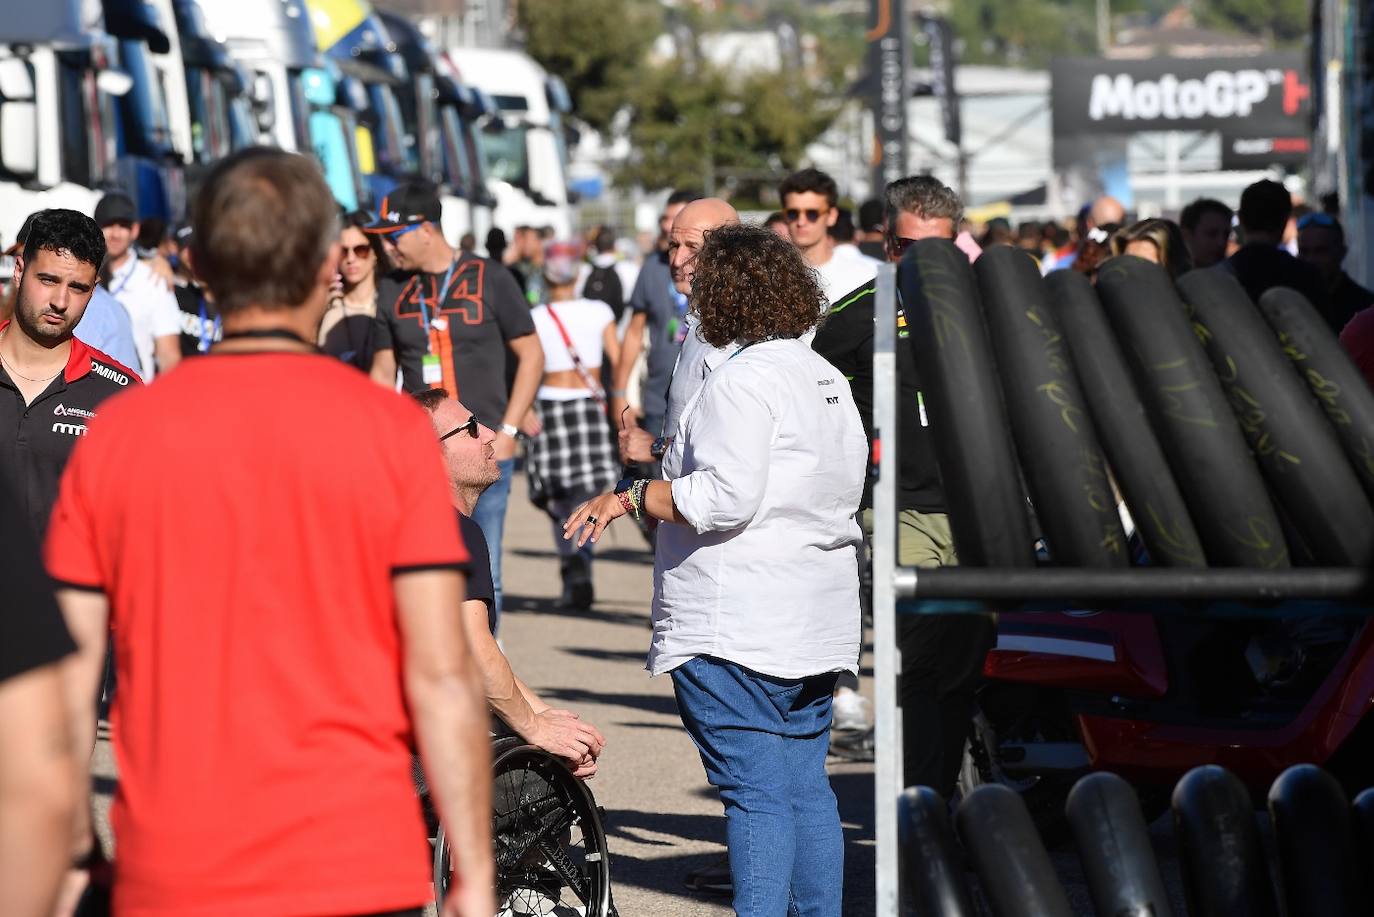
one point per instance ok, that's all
(144, 95)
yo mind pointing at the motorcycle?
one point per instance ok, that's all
(1149, 697)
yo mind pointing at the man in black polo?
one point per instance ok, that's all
(51, 383)
(447, 322)
(942, 656)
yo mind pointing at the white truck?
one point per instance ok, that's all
(527, 161)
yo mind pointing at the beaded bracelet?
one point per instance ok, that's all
(637, 496)
(628, 504)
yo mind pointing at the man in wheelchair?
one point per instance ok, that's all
(468, 455)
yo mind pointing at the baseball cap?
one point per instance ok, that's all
(115, 207)
(409, 204)
(560, 263)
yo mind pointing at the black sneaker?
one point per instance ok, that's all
(713, 879)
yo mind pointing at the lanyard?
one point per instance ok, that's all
(207, 339)
(133, 263)
(443, 295)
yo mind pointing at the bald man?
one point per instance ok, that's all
(1105, 211)
(684, 243)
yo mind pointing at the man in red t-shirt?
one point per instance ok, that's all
(267, 536)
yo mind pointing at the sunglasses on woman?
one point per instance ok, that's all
(358, 251)
(468, 426)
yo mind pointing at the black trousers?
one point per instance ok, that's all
(942, 663)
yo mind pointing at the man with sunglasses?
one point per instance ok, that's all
(469, 458)
(810, 202)
(447, 322)
(942, 657)
(1321, 244)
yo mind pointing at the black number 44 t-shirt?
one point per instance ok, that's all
(482, 309)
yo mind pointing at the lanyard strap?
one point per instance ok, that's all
(443, 294)
(133, 263)
(582, 370)
(207, 339)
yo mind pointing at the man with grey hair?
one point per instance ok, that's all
(942, 657)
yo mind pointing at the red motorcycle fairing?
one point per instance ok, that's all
(1150, 752)
(1103, 652)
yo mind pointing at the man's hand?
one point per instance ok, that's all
(469, 899)
(590, 519)
(504, 446)
(561, 733)
(635, 444)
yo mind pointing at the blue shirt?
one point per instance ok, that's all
(107, 328)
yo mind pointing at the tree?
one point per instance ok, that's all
(596, 46)
(1286, 20)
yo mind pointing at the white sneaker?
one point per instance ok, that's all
(851, 711)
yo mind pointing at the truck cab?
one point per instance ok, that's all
(60, 81)
(527, 157)
(462, 110)
(292, 91)
(217, 90)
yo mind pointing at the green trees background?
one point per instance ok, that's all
(691, 123)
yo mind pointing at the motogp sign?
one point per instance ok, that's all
(1267, 94)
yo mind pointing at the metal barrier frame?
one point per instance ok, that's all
(957, 590)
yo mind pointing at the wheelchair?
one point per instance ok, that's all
(550, 846)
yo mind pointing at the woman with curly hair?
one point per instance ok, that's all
(756, 592)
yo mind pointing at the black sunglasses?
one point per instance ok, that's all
(900, 244)
(468, 426)
(811, 215)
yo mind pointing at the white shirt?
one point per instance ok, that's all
(152, 308)
(845, 273)
(768, 468)
(627, 271)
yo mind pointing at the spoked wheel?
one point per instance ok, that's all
(550, 847)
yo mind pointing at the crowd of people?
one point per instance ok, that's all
(289, 575)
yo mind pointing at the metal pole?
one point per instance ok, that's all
(887, 722)
(1136, 584)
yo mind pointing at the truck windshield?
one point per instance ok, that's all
(507, 155)
(87, 113)
(457, 166)
(143, 109)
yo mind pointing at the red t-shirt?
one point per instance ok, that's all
(245, 516)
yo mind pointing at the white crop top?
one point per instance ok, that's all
(585, 321)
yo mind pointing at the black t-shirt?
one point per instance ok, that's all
(1347, 299)
(479, 567)
(350, 338)
(32, 633)
(200, 323)
(1261, 267)
(845, 338)
(482, 310)
(37, 439)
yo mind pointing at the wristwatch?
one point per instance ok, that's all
(510, 430)
(659, 447)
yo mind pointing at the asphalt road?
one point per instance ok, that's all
(662, 819)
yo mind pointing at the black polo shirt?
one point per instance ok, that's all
(37, 439)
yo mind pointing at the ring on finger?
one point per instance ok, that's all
(591, 520)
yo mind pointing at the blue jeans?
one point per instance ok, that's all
(763, 742)
(490, 516)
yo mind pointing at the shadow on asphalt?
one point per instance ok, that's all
(549, 606)
(587, 652)
(652, 703)
(616, 555)
(666, 875)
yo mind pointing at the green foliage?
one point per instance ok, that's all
(1286, 21)
(596, 46)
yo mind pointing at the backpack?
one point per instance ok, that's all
(603, 283)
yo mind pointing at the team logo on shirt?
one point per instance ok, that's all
(117, 378)
(64, 411)
(71, 429)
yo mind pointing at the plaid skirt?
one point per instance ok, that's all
(574, 456)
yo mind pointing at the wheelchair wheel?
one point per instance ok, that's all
(550, 848)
